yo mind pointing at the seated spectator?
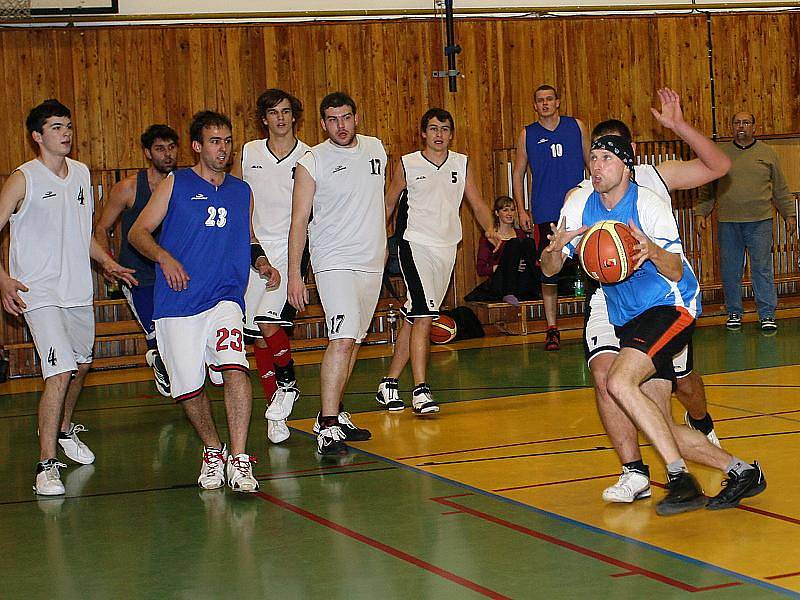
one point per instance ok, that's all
(511, 267)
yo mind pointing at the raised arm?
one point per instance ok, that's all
(711, 162)
(585, 141)
(518, 181)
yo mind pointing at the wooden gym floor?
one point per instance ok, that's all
(497, 496)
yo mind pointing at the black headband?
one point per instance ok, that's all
(621, 148)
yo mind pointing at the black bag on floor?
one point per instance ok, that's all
(467, 323)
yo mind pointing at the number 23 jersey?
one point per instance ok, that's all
(207, 230)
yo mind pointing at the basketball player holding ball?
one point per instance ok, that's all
(654, 313)
(430, 225)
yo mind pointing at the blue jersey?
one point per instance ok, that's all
(556, 162)
(646, 288)
(128, 255)
(207, 230)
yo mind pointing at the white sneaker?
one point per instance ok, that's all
(74, 448)
(282, 403)
(388, 395)
(277, 431)
(423, 401)
(48, 479)
(711, 435)
(240, 473)
(160, 375)
(632, 485)
(212, 472)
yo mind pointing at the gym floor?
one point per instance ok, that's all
(497, 496)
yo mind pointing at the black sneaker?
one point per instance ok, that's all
(330, 441)
(552, 340)
(349, 430)
(738, 486)
(683, 494)
(768, 325)
(734, 321)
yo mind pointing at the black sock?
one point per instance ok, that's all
(704, 425)
(420, 388)
(639, 466)
(328, 422)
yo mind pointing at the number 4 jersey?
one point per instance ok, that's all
(348, 226)
(207, 230)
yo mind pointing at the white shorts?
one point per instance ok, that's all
(426, 272)
(348, 299)
(260, 305)
(188, 345)
(63, 337)
(599, 336)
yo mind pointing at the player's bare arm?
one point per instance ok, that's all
(711, 163)
(668, 263)
(396, 187)
(518, 182)
(481, 211)
(585, 141)
(141, 236)
(122, 197)
(302, 200)
(111, 269)
(261, 263)
(11, 198)
(553, 256)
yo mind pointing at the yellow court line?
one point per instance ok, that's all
(547, 450)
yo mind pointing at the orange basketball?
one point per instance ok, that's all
(443, 330)
(605, 251)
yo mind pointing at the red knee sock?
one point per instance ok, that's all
(278, 343)
(266, 371)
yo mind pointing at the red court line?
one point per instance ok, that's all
(535, 485)
(795, 574)
(471, 585)
(628, 567)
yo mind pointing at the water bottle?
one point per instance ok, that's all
(391, 322)
(579, 292)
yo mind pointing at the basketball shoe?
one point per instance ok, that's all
(350, 431)
(683, 494)
(240, 473)
(422, 400)
(388, 395)
(48, 479)
(212, 472)
(160, 375)
(73, 447)
(277, 431)
(632, 485)
(737, 486)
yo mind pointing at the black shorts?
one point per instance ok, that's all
(543, 230)
(660, 332)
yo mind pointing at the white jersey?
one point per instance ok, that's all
(50, 237)
(271, 180)
(434, 198)
(348, 226)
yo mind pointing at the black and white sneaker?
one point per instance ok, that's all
(330, 441)
(768, 325)
(734, 321)
(423, 401)
(683, 494)
(160, 375)
(737, 486)
(351, 432)
(388, 395)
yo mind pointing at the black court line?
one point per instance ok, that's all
(184, 486)
(583, 450)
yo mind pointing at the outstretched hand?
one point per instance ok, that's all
(560, 237)
(671, 113)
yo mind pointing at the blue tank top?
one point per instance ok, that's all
(128, 255)
(646, 288)
(207, 229)
(556, 162)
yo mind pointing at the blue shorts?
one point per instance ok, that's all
(140, 299)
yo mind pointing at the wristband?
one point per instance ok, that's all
(256, 252)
